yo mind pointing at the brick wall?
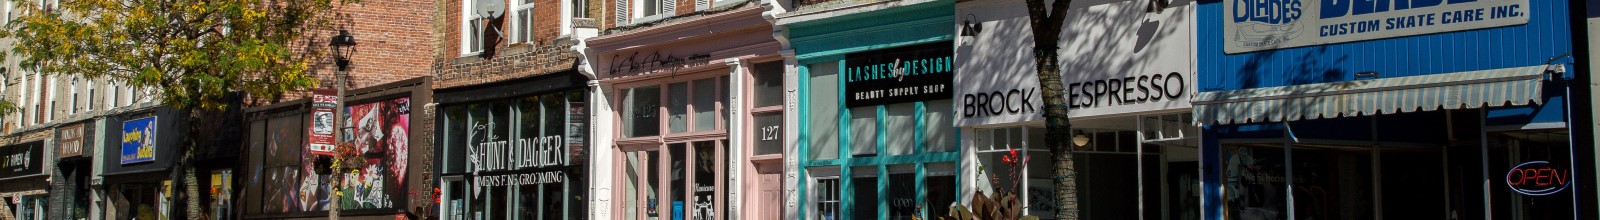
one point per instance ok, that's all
(395, 42)
(546, 54)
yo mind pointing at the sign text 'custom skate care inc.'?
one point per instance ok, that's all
(1255, 25)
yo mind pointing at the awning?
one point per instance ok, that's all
(1473, 89)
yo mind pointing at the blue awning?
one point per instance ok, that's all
(1472, 89)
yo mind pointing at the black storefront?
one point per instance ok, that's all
(69, 189)
(515, 149)
(384, 174)
(22, 179)
(141, 148)
(142, 161)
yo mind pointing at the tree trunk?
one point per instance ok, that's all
(191, 185)
(1058, 130)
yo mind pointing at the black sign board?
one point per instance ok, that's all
(22, 159)
(902, 74)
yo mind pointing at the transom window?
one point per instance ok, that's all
(688, 106)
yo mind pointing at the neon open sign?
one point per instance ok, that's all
(1537, 178)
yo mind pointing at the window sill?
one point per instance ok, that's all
(648, 19)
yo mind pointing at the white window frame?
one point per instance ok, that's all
(639, 15)
(519, 9)
(469, 34)
(73, 108)
(815, 176)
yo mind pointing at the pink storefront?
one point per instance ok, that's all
(692, 112)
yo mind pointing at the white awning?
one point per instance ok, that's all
(1473, 89)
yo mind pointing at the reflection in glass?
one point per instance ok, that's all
(864, 181)
(677, 107)
(823, 109)
(864, 131)
(641, 112)
(705, 104)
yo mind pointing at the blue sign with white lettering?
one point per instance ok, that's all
(1256, 25)
(139, 140)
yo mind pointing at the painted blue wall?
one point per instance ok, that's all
(1546, 35)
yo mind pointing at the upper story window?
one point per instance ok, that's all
(74, 88)
(684, 106)
(472, 27)
(522, 21)
(647, 10)
(580, 9)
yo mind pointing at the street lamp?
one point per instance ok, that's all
(343, 46)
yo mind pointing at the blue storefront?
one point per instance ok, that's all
(1410, 110)
(876, 136)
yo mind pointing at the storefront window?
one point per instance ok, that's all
(641, 112)
(940, 185)
(519, 157)
(902, 191)
(864, 179)
(823, 110)
(768, 134)
(901, 131)
(827, 194)
(767, 84)
(705, 104)
(939, 131)
(677, 107)
(864, 131)
(705, 186)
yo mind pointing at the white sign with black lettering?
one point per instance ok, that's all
(1115, 58)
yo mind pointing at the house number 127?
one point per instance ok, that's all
(769, 133)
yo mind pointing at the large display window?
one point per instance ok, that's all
(517, 158)
(673, 148)
(1127, 167)
(286, 179)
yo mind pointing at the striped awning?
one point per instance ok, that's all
(1473, 89)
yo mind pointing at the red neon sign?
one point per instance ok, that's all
(1537, 178)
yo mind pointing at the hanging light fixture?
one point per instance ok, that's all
(1080, 140)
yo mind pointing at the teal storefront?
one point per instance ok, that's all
(876, 130)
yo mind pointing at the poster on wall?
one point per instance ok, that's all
(22, 159)
(321, 130)
(381, 134)
(139, 140)
(1118, 59)
(897, 75)
(1264, 25)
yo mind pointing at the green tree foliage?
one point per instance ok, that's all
(194, 52)
(198, 54)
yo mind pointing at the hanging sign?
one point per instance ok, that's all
(139, 140)
(896, 75)
(323, 102)
(1538, 178)
(69, 140)
(22, 159)
(1254, 25)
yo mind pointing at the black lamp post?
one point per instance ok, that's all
(343, 46)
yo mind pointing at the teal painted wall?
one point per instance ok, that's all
(828, 40)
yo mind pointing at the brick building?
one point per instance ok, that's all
(388, 77)
(511, 91)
